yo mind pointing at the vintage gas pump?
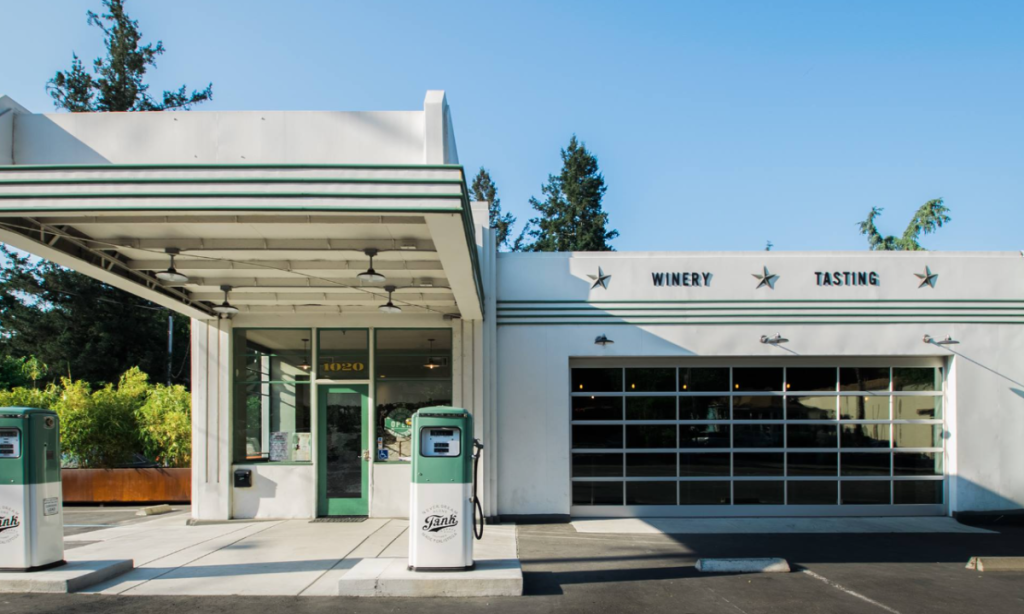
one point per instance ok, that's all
(444, 506)
(31, 518)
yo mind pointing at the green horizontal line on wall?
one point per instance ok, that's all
(822, 300)
(216, 166)
(227, 180)
(757, 307)
(679, 315)
(758, 323)
(263, 195)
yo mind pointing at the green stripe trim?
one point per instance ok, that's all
(134, 195)
(752, 308)
(228, 180)
(233, 208)
(792, 300)
(678, 315)
(215, 166)
(758, 323)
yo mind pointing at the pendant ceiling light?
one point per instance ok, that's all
(430, 359)
(390, 307)
(171, 275)
(369, 274)
(304, 365)
(226, 308)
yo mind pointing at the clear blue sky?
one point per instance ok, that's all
(718, 125)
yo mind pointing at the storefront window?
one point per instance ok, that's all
(272, 395)
(413, 370)
(343, 354)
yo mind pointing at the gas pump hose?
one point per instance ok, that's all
(478, 510)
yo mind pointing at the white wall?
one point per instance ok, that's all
(278, 491)
(985, 397)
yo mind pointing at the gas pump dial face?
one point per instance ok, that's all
(440, 441)
(10, 443)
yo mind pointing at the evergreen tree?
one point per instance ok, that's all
(76, 326)
(571, 217)
(118, 84)
(483, 189)
(927, 219)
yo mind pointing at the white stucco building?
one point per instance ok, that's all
(602, 384)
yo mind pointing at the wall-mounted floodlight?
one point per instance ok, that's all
(777, 339)
(603, 340)
(947, 341)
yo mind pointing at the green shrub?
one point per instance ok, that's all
(165, 421)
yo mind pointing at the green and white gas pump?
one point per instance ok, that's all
(31, 516)
(443, 503)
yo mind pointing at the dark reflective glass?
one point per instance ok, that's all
(917, 463)
(757, 463)
(651, 493)
(651, 436)
(865, 493)
(597, 408)
(917, 435)
(813, 493)
(917, 408)
(917, 492)
(702, 465)
(597, 380)
(651, 465)
(916, 378)
(344, 354)
(757, 436)
(867, 407)
(413, 353)
(810, 436)
(650, 408)
(757, 379)
(812, 463)
(864, 436)
(811, 408)
(853, 463)
(597, 493)
(596, 465)
(757, 408)
(703, 408)
(863, 378)
(811, 379)
(706, 379)
(704, 493)
(596, 436)
(650, 380)
(704, 436)
(758, 493)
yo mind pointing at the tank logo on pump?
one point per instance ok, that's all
(439, 522)
(10, 522)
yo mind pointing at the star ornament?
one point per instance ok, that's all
(600, 279)
(766, 279)
(928, 279)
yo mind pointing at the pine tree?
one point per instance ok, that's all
(927, 219)
(118, 84)
(484, 189)
(571, 217)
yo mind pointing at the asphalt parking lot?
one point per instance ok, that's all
(80, 520)
(566, 571)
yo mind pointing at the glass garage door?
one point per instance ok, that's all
(746, 441)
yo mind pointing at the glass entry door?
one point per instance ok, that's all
(342, 449)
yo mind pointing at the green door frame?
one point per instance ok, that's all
(341, 507)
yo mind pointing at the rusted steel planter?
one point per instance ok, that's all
(127, 485)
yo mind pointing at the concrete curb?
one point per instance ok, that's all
(762, 565)
(70, 578)
(996, 563)
(392, 578)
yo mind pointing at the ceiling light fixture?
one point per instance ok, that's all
(304, 365)
(369, 274)
(171, 275)
(389, 307)
(226, 308)
(430, 359)
(777, 339)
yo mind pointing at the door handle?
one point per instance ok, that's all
(366, 455)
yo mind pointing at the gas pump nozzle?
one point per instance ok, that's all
(478, 510)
